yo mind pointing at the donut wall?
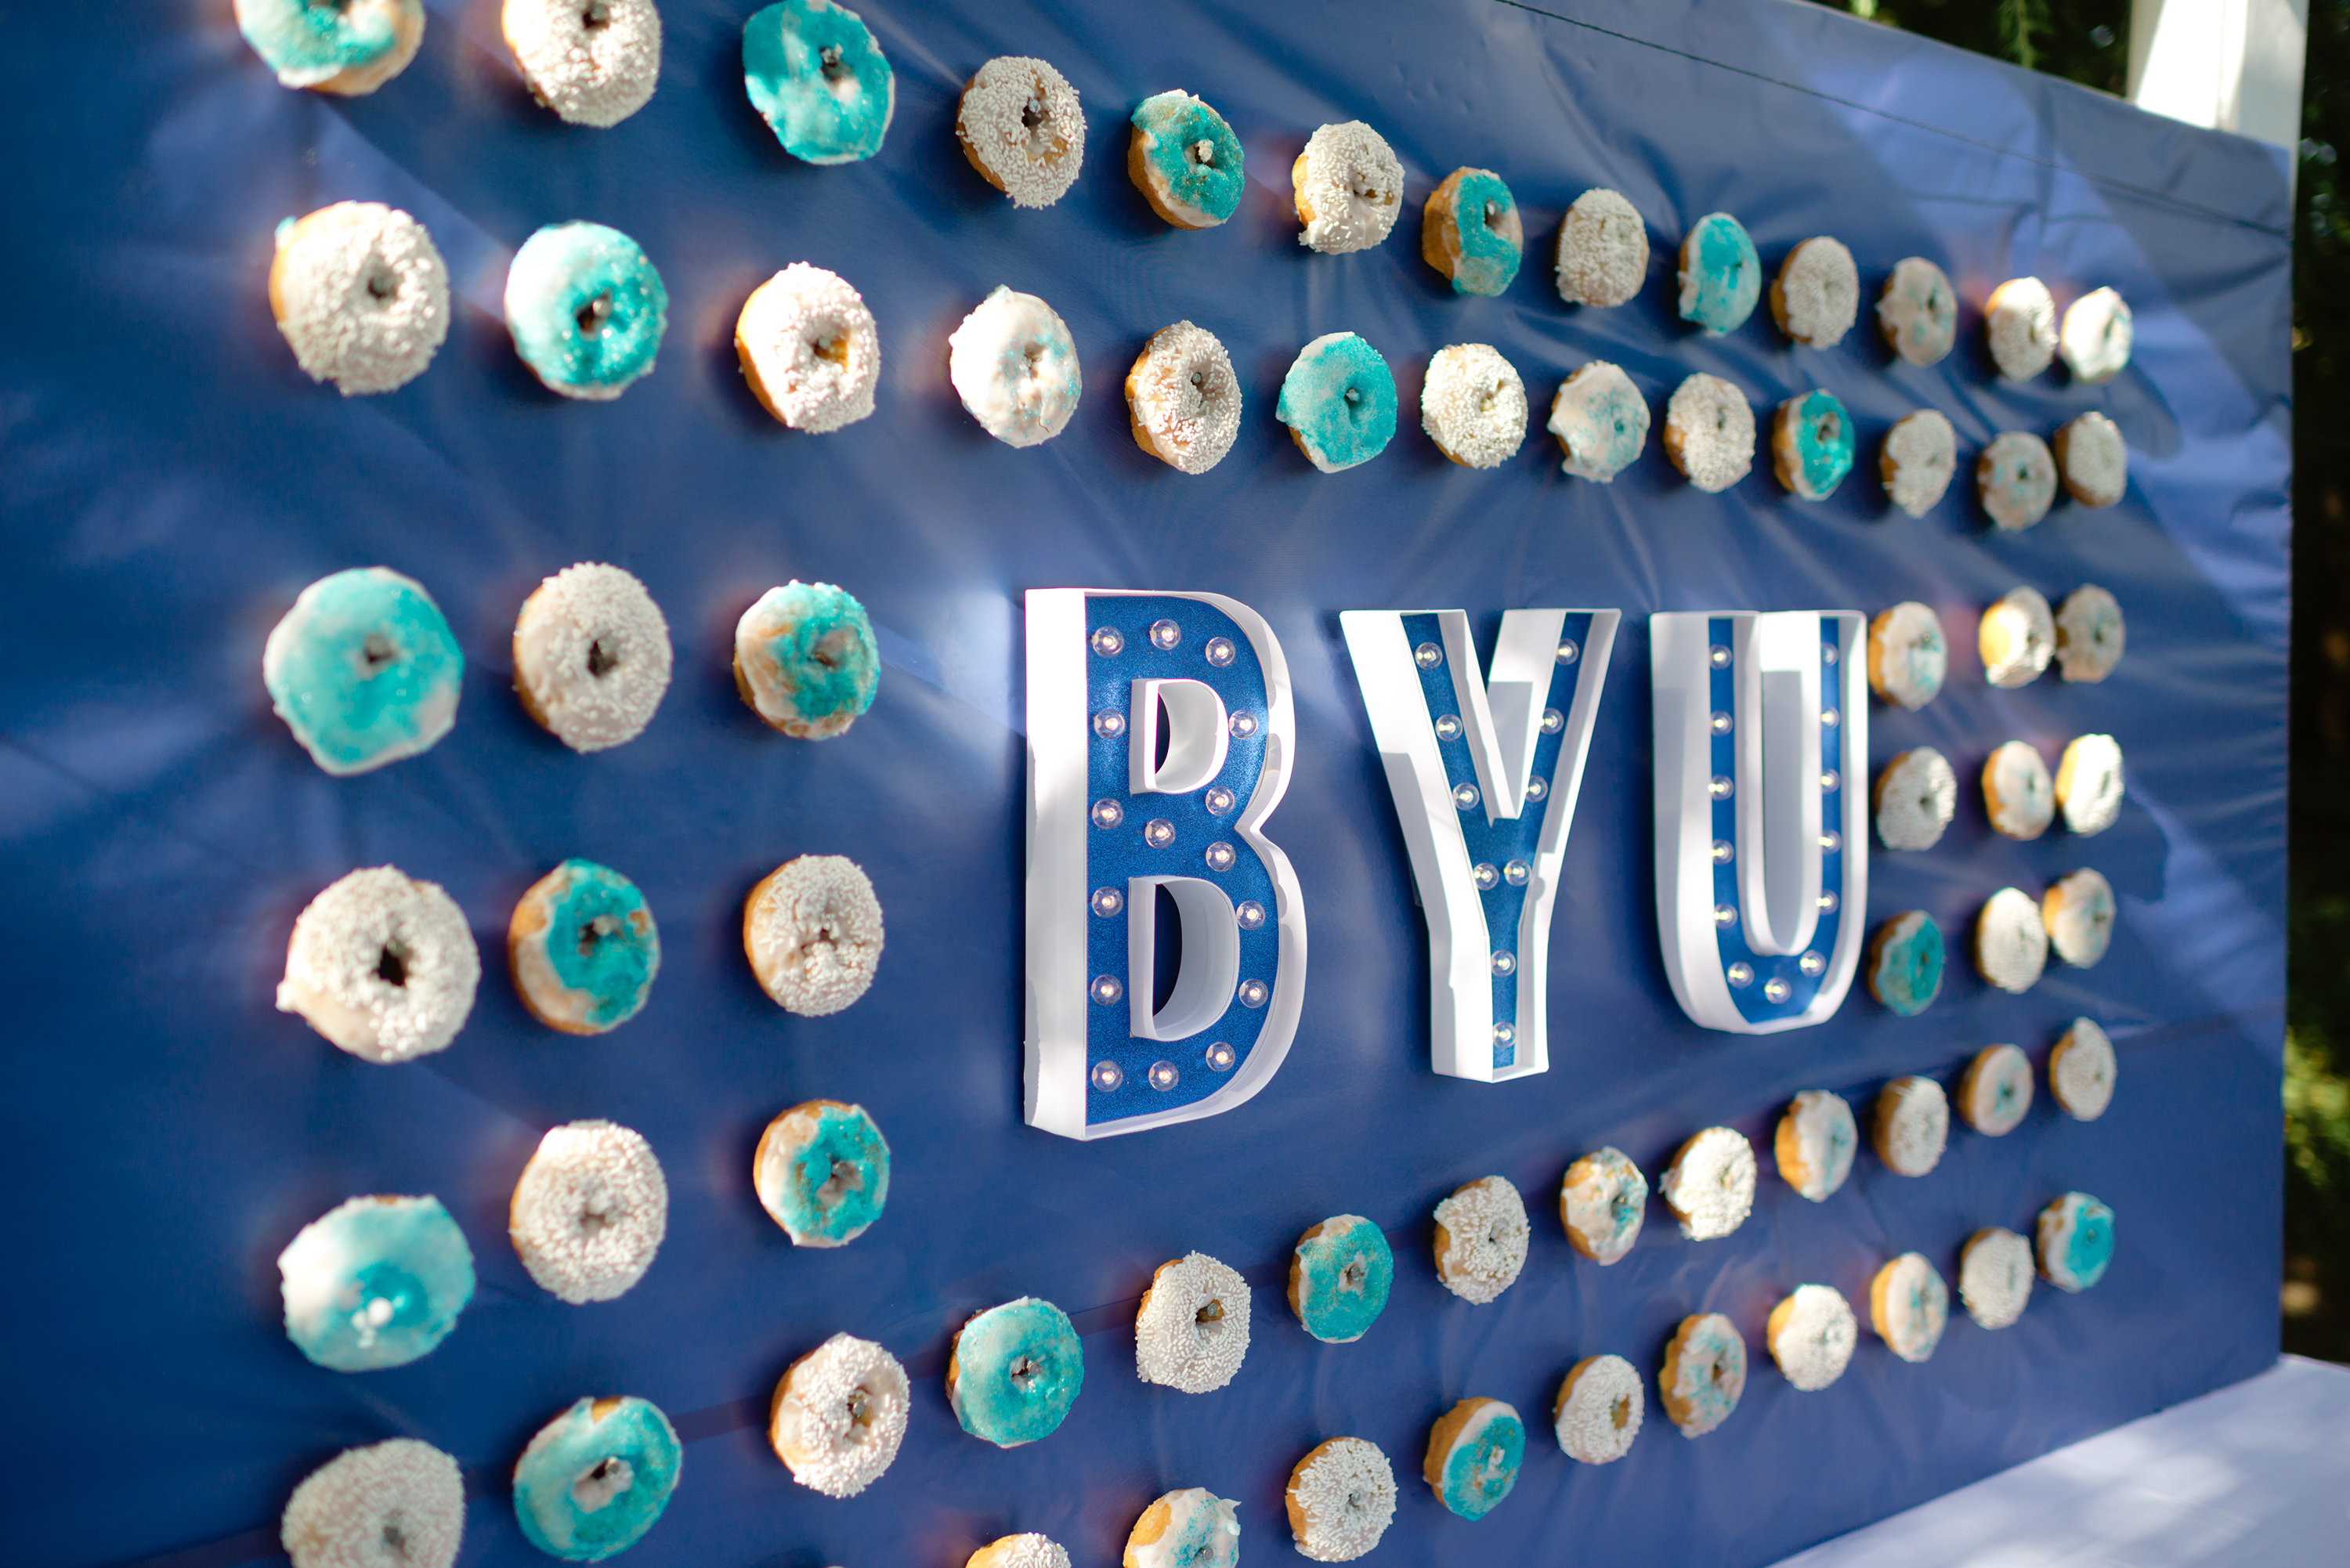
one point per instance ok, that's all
(171, 481)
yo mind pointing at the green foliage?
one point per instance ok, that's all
(2086, 41)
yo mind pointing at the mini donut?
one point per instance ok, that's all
(1909, 1306)
(1906, 655)
(382, 965)
(1816, 294)
(2082, 1070)
(1347, 187)
(838, 1414)
(587, 309)
(2089, 783)
(2096, 336)
(396, 1504)
(1601, 421)
(805, 659)
(817, 77)
(1602, 1202)
(360, 294)
(349, 49)
(1814, 1144)
(808, 349)
(1193, 1528)
(1995, 1276)
(2020, 320)
(596, 1478)
(1720, 275)
(1014, 366)
(1602, 250)
(1913, 1123)
(364, 670)
(1340, 1500)
(2090, 635)
(583, 949)
(1710, 432)
(1480, 1239)
(1599, 1409)
(1710, 1186)
(1185, 160)
(1812, 445)
(2016, 478)
(2010, 941)
(2094, 459)
(1013, 1372)
(1338, 400)
(1919, 312)
(1919, 459)
(1026, 1550)
(593, 62)
(1473, 406)
(822, 1172)
(2018, 795)
(375, 1281)
(1905, 963)
(1470, 232)
(2076, 1242)
(589, 1213)
(2078, 912)
(591, 657)
(1812, 1334)
(1191, 1331)
(1473, 1453)
(1705, 1372)
(1021, 128)
(1183, 399)
(1339, 1277)
(1995, 1091)
(813, 930)
(1916, 795)
(2016, 637)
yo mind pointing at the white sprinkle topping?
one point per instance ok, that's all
(1472, 405)
(1185, 399)
(2089, 783)
(1193, 1331)
(589, 1212)
(592, 656)
(839, 1416)
(1916, 794)
(2095, 458)
(1020, 119)
(2010, 941)
(1710, 432)
(811, 349)
(2016, 637)
(1480, 1239)
(1710, 1186)
(2090, 634)
(1341, 1499)
(397, 1504)
(1913, 1122)
(2081, 1073)
(382, 966)
(813, 931)
(361, 295)
(1909, 1306)
(2017, 793)
(1602, 250)
(593, 62)
(1995, 1092)
(2096, 337)
(2022, 321)
(1817, 293)
(1349, 188)
(1599, 1409)
(1921, 456)
(1995, 1276)
(1812, 1334)
(1029, 1550)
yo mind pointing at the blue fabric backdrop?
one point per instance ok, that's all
(169, 480)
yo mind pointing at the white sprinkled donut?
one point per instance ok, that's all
(1603, 1202)
(1015, 367)
(1183, 399)
(593, 62)
(1814, 1144)
(2078, 912)
(1913, 1122)
(2016, 637)
(384, 966)
(591, 656)
(1995, 1091)
(1710, 432)
(2020, 319)
(1021, 128)
(1480, 1239)
(812, 929)
(589, 1212)
(1473, 406)
(1027, 1550)
(1600, 1406)
(2016, 476)
(1907, 657)
(1192, 1331)
(809, 349)
(396, 1504)
(2089, 783)
(839, 1415)
(1919, 312)
(2096, 336)
(1816, 294)
(1909, 1306)
(2017, 794)
(1916, 795)
(2010, 941)
(1340, 1498)
(1705, 1373)
(1347, 188)
(1602, 250)
(2082, 1070)
(1601, 421)
(2090, 634)
(1710, 1186)
(1920, 459)
(2094, 459)
(1995, 1276)
(1812, 1334)
(361, 295)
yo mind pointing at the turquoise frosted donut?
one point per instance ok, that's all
(2076, 1242)
(585, 308)
(816, 77)
(805, 660)
(375, 1282)
(596, 1478)
(1185, 159)
(1721, 277)
(353, 47)
(1905, 962)
(1470, 232)
(1015, 1371)
(583, 949)
(364, 669)
(1338, 402)
(1474, 1455)
(1339, 1278)
(1813, 445)
(822, 1172)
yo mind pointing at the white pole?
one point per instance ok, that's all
(2230, 65)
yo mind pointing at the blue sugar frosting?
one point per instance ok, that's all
(1191, 150)
(1721, 277)
(821, 643)
(1340, 1279)
(1340, 400)
(587, 309)
(307, 43)
(838, 1183)
(1018, 1368)
(1824, 443)
(1478, 1474)
(1491, 248)
(375, 1282)
(1711, 1344)
(601, 941)
(1906, 971)
(596, 1478)
(364, 669)
(2090, 1246)
(819, 80)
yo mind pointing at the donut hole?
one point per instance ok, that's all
(1493, 217)
(595, 15)
(601, 660)
(592, 314)
(391, 964)
(599, 929)
(1210, 1320)
(1713, 1373)
(1203, 153)
(1827, 429)
(1356, 1503)
(382, 283)
(860, 1408)
(829, 62)
(377, 653)
(1024, 1372)
(844, 1180)
(602, 1481)
(394, 1539)
(1351, 1277)
(832, 347)
(1620, 1412)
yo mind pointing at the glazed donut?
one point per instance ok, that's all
(591, 657)
(1814, 1144)
(2082, 1070)
(360, 294)
(2094, 459)
(1913, 1123)
(2016, 637)
(2076, 1242)
(593, 62)
(1014, 366)
(2016, 478)
(375, 1281)
(2010, 941)
(1602, 1202)
(1816, 294)
(2089, 783)
(1601, 421)
(2020, 319)
(1026, 1551)
(396, 1504)
(1339, 1277)
(1602, 250)
(2078, 912)
(587, 310)
(1812, 445)
(1918, 312)
(2017, 795)
(805, 660)
(812, 928)
(1191, 1331)
(1705, 1372)
(1193, 1528)
(2096, 336)
(1710, 1186)
(815, 74)
(1720, 275)
(1013, 1372)
(1599, 1409)
(1916, 795)
(1473, 406)
(1906, 656)
(839, 1415)
(1347, 187)
(1480, 1239)
(349, 49)
(2090, 635)
(1473, 1453)
(1021, 128)
(1995, 1091)
(1710, 432)
(1919, 457)
(1909, 1306)
(583, 949)
(1185, 161)
(589, 1213)
(822, 1172)
(1905, 963)
(596, 1478)
(1183, 399)
(1338, 400)
(1812, 1334)
(1340, 1500)
(1995, 1276)
(382, 966)
(809, 349)
(364, 669)
(1470, 232)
